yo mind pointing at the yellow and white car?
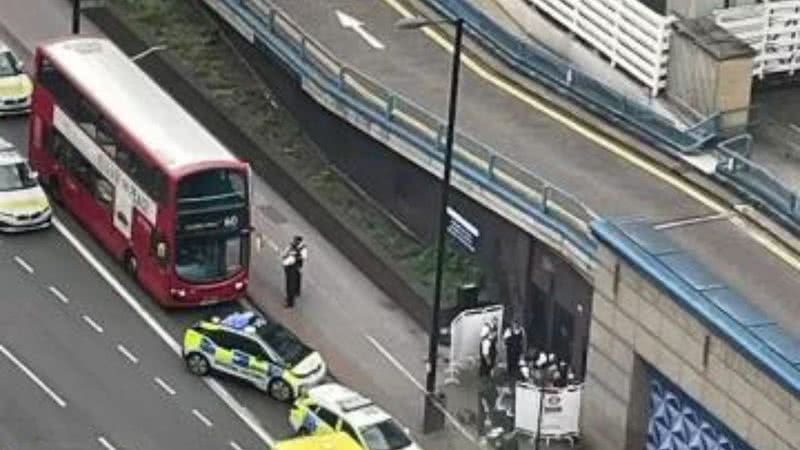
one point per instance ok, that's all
(15, 85)
(254, 349)
(332, 441)
(335, 408)
(23, 203)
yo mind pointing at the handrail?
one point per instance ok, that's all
(473, 160)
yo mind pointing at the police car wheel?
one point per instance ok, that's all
(197, 364)
(280, 390)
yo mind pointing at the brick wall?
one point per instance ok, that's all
(632, 319)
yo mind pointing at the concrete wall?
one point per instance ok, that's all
(710, 71)
(693, 8)
(632, 320)
(691, 76)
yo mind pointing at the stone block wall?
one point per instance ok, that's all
(632, 320)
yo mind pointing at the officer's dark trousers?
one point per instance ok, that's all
(292, 275)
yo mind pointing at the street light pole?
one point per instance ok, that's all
(76, 16)
(430, 381)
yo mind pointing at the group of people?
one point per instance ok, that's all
(523, 364)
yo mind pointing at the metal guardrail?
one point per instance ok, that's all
(552, 71)
(268, 28)
(756, 181)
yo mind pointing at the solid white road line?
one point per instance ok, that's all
(59, 295)
(105, 443)
(235, 446)
(92, 323)
(202, 418)
(419, 386)
(22, 263)
(128, 354)
(242, 412)
(164, 386)
(59, 401)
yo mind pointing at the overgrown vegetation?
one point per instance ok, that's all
(196, 44)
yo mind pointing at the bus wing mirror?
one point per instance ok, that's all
(161, 250)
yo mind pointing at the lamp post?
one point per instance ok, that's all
(76, 16)
(430, 381)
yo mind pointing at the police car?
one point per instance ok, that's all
(15, 85)
(333, 407)
(254, 349)
(331, 441)
(23, 203)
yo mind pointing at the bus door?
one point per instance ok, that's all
(123, 209)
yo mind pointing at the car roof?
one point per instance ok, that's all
(328, 441)
(357, 409)
(4, 47)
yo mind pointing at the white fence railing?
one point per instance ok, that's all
(771, 29)
(627, 32)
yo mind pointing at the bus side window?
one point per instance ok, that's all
(88, 117)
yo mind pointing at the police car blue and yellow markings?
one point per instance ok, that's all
(260, 371)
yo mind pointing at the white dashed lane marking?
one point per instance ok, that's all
(202, 418)
(92, 323)
(22, 263)
(127, 353)
(58, 294)
(163, 384)
(235, 446)
(107, 445)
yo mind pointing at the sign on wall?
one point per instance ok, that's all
(462, 230)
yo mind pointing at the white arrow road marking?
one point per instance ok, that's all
(356, 25)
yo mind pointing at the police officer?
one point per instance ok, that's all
(293, 258)
(488, 349)
(514, 340)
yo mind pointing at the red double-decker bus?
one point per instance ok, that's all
(141, 174)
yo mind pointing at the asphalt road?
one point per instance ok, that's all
(106, 394)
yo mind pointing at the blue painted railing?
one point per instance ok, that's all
(705, 296)
(421, 132)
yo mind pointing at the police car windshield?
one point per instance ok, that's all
(285, 344)
(15, 176)
(386, 435)
(8, 65)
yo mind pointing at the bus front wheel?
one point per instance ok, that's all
(131, 264)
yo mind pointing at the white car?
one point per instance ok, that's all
(23, 203)
(333, 407)
(15, 85)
